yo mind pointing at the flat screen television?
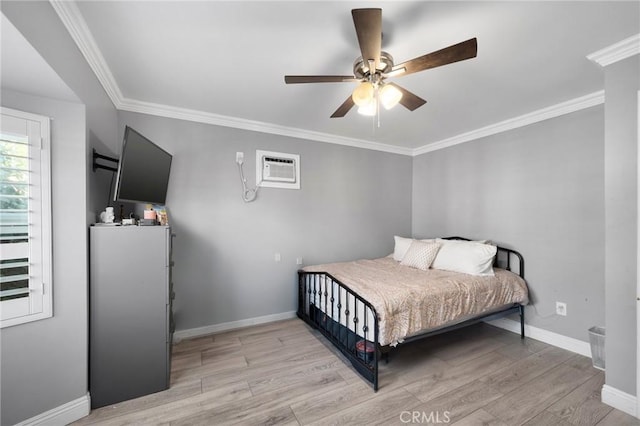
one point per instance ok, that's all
(143, 170)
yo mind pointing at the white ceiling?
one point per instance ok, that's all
(229, 59)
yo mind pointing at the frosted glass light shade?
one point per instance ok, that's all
(363, 94)
(389, 96)
(368, 109)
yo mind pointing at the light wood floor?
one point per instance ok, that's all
(285, 373)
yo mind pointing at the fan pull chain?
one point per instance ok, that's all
(378, 105)
(376, 118)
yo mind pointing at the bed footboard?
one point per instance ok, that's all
(342, 316)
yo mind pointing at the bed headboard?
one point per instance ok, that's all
(505, 257)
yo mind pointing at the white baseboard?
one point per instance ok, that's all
(226, 326)
(555, 339)
(619, 400)
(610, 395)
(62, 415)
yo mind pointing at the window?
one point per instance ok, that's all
(25, 218)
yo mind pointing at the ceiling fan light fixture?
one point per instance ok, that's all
(389, 96)
(368, 109)
(363, 94)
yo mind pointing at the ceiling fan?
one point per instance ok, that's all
(375, 66)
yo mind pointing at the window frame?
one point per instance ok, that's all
(40, 299)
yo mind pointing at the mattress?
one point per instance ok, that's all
(409, 301)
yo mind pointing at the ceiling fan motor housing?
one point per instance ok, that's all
(361, 67)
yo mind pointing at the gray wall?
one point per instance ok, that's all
(56, 348)
(40, 25)
(622, 82)
(350, 204)
(538, 189)
(546, 190)
(44, 363)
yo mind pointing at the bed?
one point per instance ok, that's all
(367, 307)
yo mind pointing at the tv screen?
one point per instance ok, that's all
(143, 170)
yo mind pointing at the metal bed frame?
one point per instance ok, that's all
(358, 333)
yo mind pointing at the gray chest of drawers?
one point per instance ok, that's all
(130, 312)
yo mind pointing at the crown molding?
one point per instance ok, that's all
(256, 126)
(72, 19)
(616, 52)
(557, 110)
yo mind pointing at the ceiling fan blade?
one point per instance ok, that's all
(343, 109)
(409, 100)
(368, 23)
(294, 79)
(457, 52)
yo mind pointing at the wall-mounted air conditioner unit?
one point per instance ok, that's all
(277, 170)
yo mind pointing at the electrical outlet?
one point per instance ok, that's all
(239, 157)
(277, 257)
(561, 308)
(298, 260)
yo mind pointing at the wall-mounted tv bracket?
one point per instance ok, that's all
(97, 165)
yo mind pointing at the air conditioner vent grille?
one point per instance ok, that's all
(277, 170)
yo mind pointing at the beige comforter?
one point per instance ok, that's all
(409, 300)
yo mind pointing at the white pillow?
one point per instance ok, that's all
(442, 240)
(468, 257)
(420, 255)
(401, 247)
